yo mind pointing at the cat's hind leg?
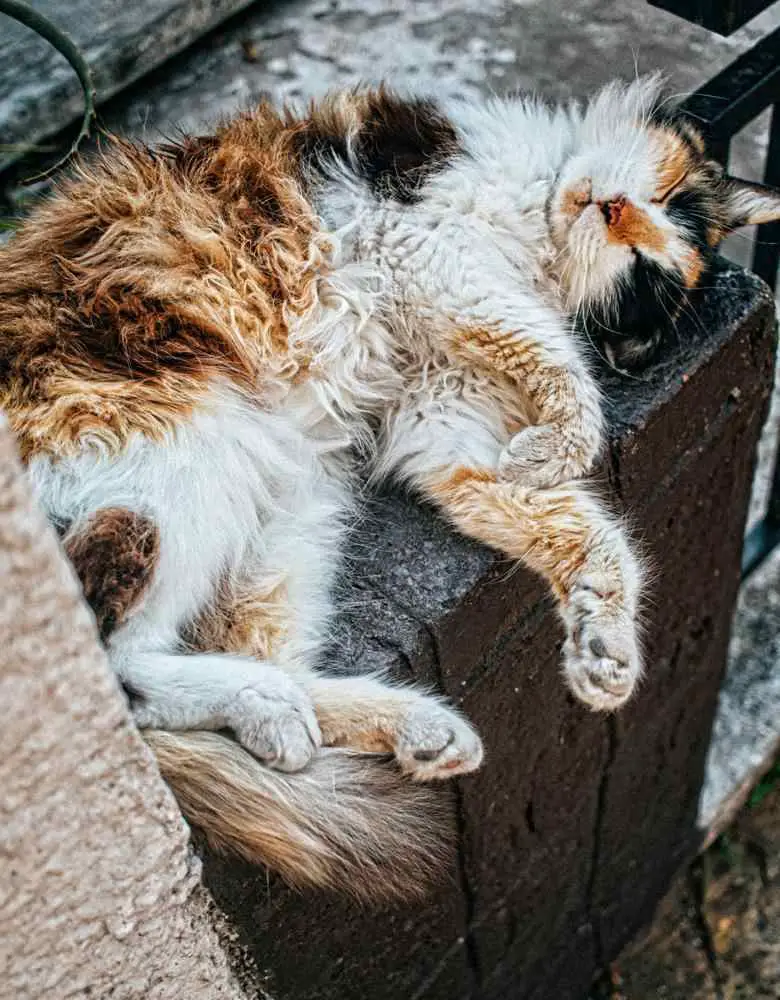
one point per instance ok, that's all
(429, 738)
(279, 608)
(115, 553)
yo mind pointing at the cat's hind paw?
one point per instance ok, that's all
(434, 742)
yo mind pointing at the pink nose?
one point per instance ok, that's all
(612, 210)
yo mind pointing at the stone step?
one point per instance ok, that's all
(39, 92)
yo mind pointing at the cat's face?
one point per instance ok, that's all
(635, 215)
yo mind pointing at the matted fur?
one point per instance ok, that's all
(203, 344)
(150, 274)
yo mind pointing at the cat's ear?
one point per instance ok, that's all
(748, 204)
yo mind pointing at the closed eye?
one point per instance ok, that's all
(660, 199)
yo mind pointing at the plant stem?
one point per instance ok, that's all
(25, 14)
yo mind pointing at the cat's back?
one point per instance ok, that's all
(149, 274)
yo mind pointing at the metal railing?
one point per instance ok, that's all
(724, 106)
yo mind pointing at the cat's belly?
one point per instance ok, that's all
(223, 488)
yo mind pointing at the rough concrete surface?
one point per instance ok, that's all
(99, 893)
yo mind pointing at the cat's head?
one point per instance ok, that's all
(635, 215)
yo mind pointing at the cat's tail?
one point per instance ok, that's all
(350, 822)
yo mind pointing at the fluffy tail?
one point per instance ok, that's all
(349, 822)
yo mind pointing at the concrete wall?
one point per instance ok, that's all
(99, 894)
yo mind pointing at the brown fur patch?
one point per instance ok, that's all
(675, 159)
(504, 350)
(395, 144)
(114, 555)
(149, 274)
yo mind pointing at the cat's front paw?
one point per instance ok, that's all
(434, 742)
(602, 659)
(602, 669)
(269, 714)
(543, 456)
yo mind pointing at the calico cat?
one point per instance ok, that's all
(204, 345)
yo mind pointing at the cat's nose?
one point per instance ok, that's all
(613, 209)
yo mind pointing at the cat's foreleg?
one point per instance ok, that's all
(564, 534)
(450, 454)
(267, 711)
(516, 336)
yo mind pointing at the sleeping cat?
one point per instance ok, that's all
(204, 345)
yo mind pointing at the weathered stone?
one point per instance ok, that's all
(670, 960)
(39, 91)
(100, 895)
(717, 932)
(295, 49)
(746, 735)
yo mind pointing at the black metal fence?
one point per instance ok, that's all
(724, 106)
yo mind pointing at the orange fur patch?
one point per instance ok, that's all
(503, 351)
(674, 159)
(552, 531)
(244, 619)
(464, 474)
(634, 227)
(693, 268)
(574, 199)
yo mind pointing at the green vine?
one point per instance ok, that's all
(25, 14)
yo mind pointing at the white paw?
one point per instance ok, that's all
(276, 723)
(268, 713)
(542, 456)
(435, 742)
(602, 661)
